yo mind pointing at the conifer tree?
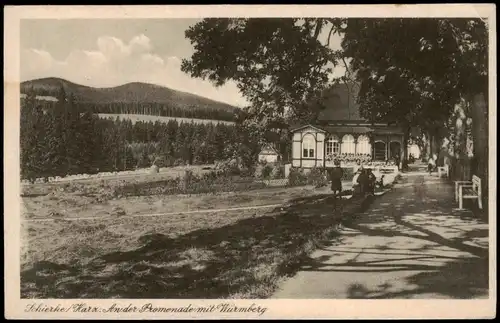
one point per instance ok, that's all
(54, 155)
(88, 152)
(31, 130)
(73, 136)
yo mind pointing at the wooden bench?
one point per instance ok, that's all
(468, 190)
(444, 170)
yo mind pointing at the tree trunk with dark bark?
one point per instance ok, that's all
(480, 134)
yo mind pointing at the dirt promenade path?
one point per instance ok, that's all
(411, 243)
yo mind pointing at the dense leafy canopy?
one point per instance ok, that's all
(277, 64)
(413, 71)
(410, 71)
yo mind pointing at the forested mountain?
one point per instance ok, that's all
(135, 98)
(61, 138)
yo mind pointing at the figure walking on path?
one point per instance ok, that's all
(362, 180)
(336, 175)
(371, 181)
(336, 178)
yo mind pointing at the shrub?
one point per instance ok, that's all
(143, 160)
(210, 176)
(297, 177)
(263, 171)
(266, 171)
(169, 162)
(262, 162)
(197, 160)
(317, 177)
(248, 171)
(227, 167)
(179, 162)
(278, 171)
(258, 170)
(160, 161)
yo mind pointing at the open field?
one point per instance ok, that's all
(242, 254)
(114, 253)
(143, 174)
(147, 118)
(139, 174)
(145, 257)
(62, 205)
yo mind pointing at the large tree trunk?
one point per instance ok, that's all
(427, 146)
(404, 149)
(480, 134)
(458, 144)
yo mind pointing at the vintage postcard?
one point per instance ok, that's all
(256, 162)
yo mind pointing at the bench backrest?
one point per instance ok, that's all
(476, 183)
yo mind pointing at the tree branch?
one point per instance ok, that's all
(348, 73)
(317, 30)
(329, 35)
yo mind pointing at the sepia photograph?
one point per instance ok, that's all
(302, 157)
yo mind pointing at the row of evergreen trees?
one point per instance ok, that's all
(159, 109)
(155, 109)
(66, 138)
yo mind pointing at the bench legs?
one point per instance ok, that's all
(457, 185)
(461, 203)
(460, 199)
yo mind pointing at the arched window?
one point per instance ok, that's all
(332, 145)
(348, 144)
(364, 146)
(308, 146)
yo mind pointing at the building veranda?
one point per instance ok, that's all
(341, 134)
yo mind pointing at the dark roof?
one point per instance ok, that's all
(363, 130)
(388, 130)
(340, 103)
(346, 129)
(343, 129)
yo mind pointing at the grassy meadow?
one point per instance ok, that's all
(225, 254)
(77, 244)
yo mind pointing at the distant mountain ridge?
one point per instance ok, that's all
(129, 93)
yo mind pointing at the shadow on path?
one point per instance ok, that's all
(414, 238)
(464, 278)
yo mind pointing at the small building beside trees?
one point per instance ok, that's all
(268, 154)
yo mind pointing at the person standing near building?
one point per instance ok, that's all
(363, 182)
(371, 181)
(336, 178)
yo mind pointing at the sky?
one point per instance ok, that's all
(111, 52)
